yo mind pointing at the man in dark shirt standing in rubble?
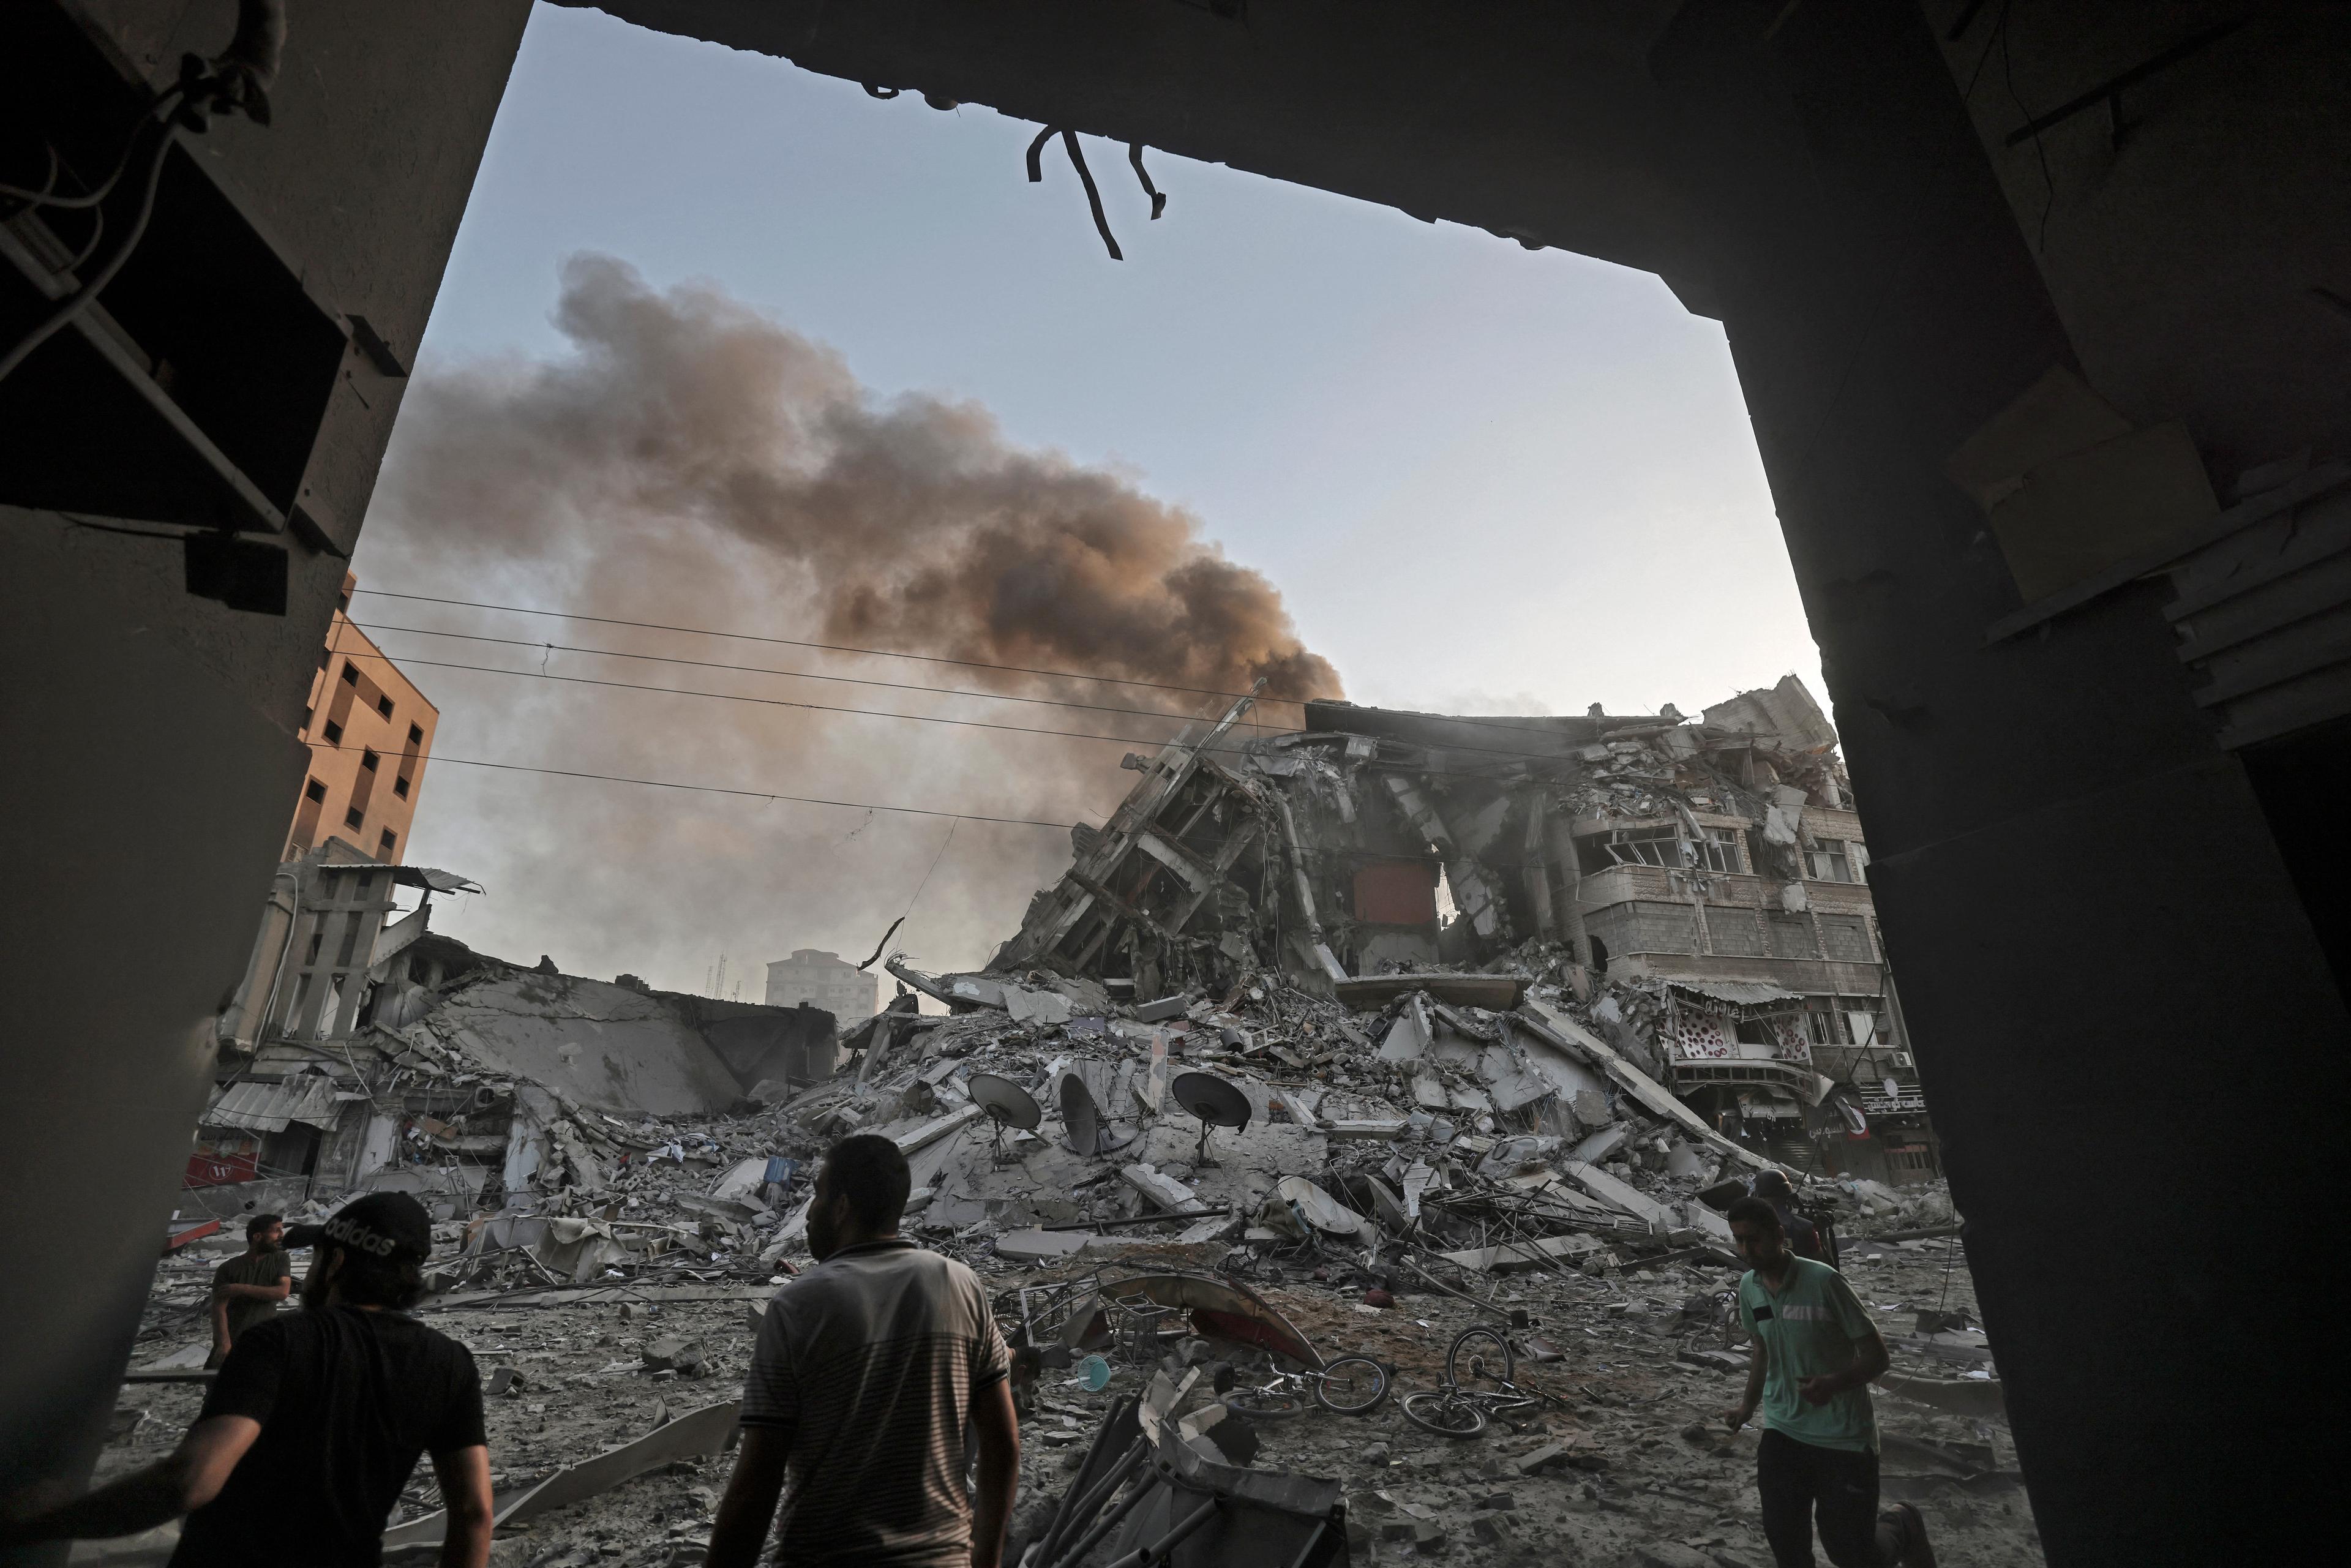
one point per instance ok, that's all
(870, 1369)
(318, 1417)
(248, 1287)
(1803, 1236)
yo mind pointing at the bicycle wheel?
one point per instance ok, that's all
(1443, 1412)
(1351, 1386)
(1480, 1360)
(1265, 1404)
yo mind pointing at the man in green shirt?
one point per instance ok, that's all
(1815, 1353)
(248, 1287)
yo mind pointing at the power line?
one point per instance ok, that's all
(770, 702)
(1502, 755)
(821, 647)
(434, 760)
(1562, 739)
(762, 670)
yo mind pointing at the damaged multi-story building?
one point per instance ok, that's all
(364, 1051)
(1701, 881)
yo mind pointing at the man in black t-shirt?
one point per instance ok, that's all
(315, 1422)
(1804, 1238)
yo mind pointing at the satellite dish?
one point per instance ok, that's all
(1080, 1115)
(1006, 1104)
(1217, 1103)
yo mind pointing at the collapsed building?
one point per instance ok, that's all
(1449, 1015)
(360, 1053)
(1698, 883)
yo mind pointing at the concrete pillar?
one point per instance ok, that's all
(152, 763)
(109, 1047)
(2120, 1007)
(1534, 873)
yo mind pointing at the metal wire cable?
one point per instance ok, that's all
(761, 670)
(1481, 770)
(1504, 726)
(716, 790)
(82, 298)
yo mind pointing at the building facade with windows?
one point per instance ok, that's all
(1742, 905)
(371, 733)
(824, 981)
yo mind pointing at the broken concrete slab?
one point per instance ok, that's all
(1036, 1006)
(1602, 1143)
(705, 1431)
(1496, 993)
(602, 1046)
(1976, 1397)
(1621, 1196)
(1319, 1210)
(1512, 1256)
(1163, 1190)
(1034, 1245)
(1384, 1130)
(931, 1131)
(1653, 1097)
(1410, 1036)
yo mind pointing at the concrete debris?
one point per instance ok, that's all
(1530, 1114)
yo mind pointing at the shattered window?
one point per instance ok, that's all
(1657, 849)
(1822, 1027)
(1722, 851)
(1829, 862)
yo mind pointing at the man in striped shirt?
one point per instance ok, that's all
(870, 1369)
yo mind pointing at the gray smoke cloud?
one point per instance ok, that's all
(689, 460)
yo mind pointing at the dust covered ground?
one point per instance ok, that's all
(1645, 1475)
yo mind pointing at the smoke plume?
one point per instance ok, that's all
(691, 461)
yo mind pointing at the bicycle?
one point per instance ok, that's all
(1350, 1385)
(1453, 1411)
(1485, 1357)
(1480, 1381)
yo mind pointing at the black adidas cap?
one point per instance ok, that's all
(382, 1224)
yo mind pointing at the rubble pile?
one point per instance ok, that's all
(1235, 1104)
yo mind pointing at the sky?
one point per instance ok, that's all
(1481, 480)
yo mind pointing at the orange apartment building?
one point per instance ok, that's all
(370, 732)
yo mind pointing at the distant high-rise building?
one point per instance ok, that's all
(824, 981)
(370, 731)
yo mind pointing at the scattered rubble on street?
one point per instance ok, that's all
(1413, 1126)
